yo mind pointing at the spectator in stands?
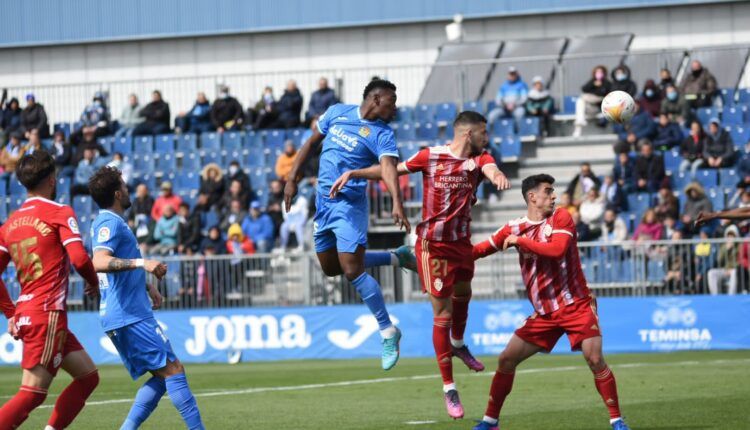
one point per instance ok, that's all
(582, 229)
(235, 173)
(705, 255)
(510, 98)
(621, 80)
(667, 205)
(727, 262)
(275, 202)
(166, 198)
(129, 117)
(624, 172)
(692, 148)
(665, 80)
(234, 192)
(201, 210)
(650, 98)
(592, 208)
(696, 202)
(566, 204)
(235, 213)
(582, 183)
(540, 103)
(214, 241)
(188, 231)
(198, 119)
(85, 169)
(613, 228)
(95, 118)
(675, 105)
(259, 228)
(34, 117)
(265, 110)
(743, 168)
(320, 100)
(139, 216)
(125, 167)
(226, 112)
(719, 149)
(294, 221)
(285, 161)
(650, 228)
(680, 274)
(698, 86)
(670, 224)
(649, 169)
(63, 154)
(237, 243)
(156, 117)
(642, 126)
(613, 195)
(668, 134)
(165, 232)
(289, 106)
(10, 119)
(589, 103)
(212, 183)
(89, 141)
(12, 152)
(34, 144)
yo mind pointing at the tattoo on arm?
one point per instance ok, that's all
(119, 265)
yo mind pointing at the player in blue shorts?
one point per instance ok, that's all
(125, 310)
(354, 137)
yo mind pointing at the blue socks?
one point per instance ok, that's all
(146, 400)
(369, 290)
(183, 400)
(377, 258)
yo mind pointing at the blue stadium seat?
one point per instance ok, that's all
(569, 104)
(680, 180)
(427, 131)
(424, 113)
(477, 106)
(82, 205)
(656, 271)
(229, 156)
(705, 114)
(727, 95)
(734, 115)
(210, 141)
(709, 178)
(189, 197)
(144, 163)
(63, 199)
(638, 203)
(717, 199)
(406, 131)
(253, 141)
(108, 143)
(63, 185)
(407, 149)
(3, 189)
(274, 138)
(191, 162)
(166, 163)
(405, 114)
(143, 145)
(15, 201)
(149, 180)
(187, 142)
(445, 113)
(273, 150)
(14, 187)
(295, 135)
(259, 179)
(188, 181)
(165, 144)
(728, 178)
(744, 96)
(510, 147)
(210, 219)
(252, 159)
(672, 160)
(3, 209)
(123, 145)
(210, 157)
(529, 126)
(503, 127)
(64, 126)
(740, 135)
(231, 141)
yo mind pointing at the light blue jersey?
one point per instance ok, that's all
(350, 143)
(124, 299)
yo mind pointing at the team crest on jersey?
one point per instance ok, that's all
(57, 361)
(73, 224)
(103, 234)
(547, 230)
(470, 165)
(364, 131)
(438, 284)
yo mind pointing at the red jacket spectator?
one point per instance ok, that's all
(165, 199)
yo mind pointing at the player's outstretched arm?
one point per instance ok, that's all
(555, 248)
(389, 171)
(733, 214)
(105, 262)
(295, 175)
(497, 177)
(372, 173)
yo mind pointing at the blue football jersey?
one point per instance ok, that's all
(351, 143)
(124, 299)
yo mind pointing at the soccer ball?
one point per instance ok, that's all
(618, 107)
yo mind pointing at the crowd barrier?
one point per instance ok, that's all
(343, 332)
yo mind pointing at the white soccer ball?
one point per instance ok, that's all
(618, 107)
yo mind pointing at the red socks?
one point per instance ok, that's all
(502, 383)
(72, 400)
(607, 387)
(17, 409)
(441, 329)
(460, 315)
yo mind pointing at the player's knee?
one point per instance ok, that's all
(595, 361)
(331, 271)
(506, 363)
(89, 381)
(353, 272)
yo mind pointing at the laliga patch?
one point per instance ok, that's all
(73, 224)
(364, 131)
(547, 230)
(103, 235)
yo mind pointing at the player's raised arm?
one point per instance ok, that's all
(733, 214)
(496, 176)
(295, 175)
(390, 177)
(372, 173)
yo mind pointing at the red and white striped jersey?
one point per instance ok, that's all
(35, 237)
(449, 184)
(550, 282)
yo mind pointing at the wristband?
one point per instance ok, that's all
(139, 262)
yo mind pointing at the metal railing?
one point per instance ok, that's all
(711, 266)
(64, 102)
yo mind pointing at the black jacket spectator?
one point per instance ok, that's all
(235, 173)
(156, 117)
(582, 183)
(621, 81)
(33, 117)
(642, 126)
(188, 232)
(320, 100)
(61, 150)
(692, 146)
(602, 90)
(718, 146)
(649, 170)
(289, 107)
(214, 241)
(698, 86)
(10, 117)
(212, 183)
(668, 134)
(226, 112)
(650, 98)
(89, 142)
(623, 171)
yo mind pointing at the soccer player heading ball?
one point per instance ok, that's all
(555, 285)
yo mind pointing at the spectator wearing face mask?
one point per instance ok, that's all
(675, 106)
(266, 111)
(235, 173)
(621, 81)
(698, 86)
(650, 98)
(226, 112)
(95, 118)
(589, 103)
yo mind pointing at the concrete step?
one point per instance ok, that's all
(580, 152)
(608, 139)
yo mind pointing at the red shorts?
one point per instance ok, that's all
(443, 264)
(46, 339)
(579, 321)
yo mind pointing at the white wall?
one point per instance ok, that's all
(64, 77)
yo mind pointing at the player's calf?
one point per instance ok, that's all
(72, 400)
(15, 411)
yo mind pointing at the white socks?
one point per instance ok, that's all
(614, 420)
(394, 260)
(388, 333)
(457, 343)
(489, 420)
(448, 387)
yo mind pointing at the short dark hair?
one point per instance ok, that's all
(378, 84)
(103, 184)
(469, 117)
(184, 205)
(533, 181)
(33, 168)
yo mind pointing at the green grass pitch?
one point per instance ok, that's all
(688, 390)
